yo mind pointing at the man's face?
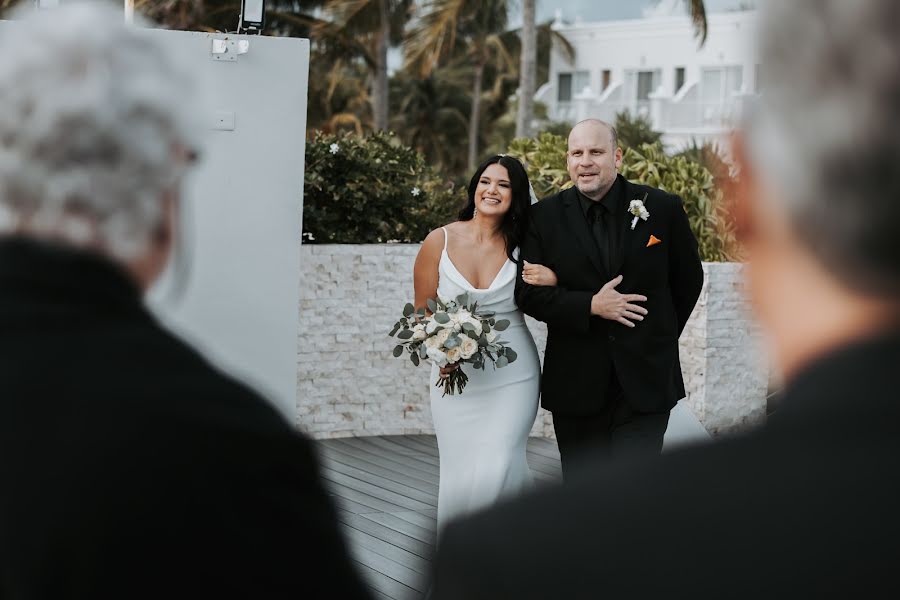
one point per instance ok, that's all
(592, 159)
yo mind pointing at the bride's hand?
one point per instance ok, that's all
(538, 275)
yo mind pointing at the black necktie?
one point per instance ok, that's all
(601, 223)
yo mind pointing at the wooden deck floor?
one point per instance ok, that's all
(386, 490)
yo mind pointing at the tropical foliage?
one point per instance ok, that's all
(545, 161)
(703, 201)
(372, 189)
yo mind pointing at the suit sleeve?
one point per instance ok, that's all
(555, 305)
(685, 268)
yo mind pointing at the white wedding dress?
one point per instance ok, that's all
(482, 433)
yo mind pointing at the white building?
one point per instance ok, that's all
(653, 67)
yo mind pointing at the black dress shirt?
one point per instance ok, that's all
(604, 217)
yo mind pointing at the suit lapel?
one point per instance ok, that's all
(626, 233)
(579, 228)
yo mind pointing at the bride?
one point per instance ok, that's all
(482, 432)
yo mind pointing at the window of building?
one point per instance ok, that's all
(645, 85)
(605, 77)
(572, 84)
(564, 87)
(679, 79)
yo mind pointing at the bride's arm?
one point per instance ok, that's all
(425, 276)
(539, 275)
(425, 271)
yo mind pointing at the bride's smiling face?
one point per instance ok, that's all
(493, 196)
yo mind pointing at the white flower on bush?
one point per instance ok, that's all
(438, 356)
(415, 191)
(468, 347)
(419, 333)
(442, 336)
(454, 354)
(334, 148)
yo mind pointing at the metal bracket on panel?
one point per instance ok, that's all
(228, 50)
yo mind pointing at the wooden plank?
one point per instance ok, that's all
(391, 536)
(428, 522)
(399, 555)
(429, 497)
(405, 527)
(379, 458)
(385, 495)
(349, 505)
(331, 459)
(375, 447)
(385, 566)
(395, 448)
(363, 498)
(414, 444)
(389, 587)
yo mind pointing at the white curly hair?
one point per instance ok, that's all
(96, 122)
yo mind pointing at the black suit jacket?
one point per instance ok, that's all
(804, 508)
(582, 349)
(129, 467)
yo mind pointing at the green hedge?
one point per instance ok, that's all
(372, 189)
(545, 161)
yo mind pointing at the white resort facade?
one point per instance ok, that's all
(653, 67)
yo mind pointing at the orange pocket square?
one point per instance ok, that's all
(653, 241)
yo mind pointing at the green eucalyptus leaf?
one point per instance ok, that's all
(501, 325)
(414, 358)
(441, 318)
(398, 350)
(408, 310)
(405, 334)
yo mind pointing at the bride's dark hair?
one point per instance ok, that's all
(516, 218)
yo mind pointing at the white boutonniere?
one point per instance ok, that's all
(639, 211)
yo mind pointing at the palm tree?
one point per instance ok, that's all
(527, 70)
(478, 26)
(380, 23)
(697, 10)
(430, 113)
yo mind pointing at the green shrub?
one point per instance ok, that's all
(544, 158)
(634, 131)
(703, 202)
(545, 161)
(371, 189)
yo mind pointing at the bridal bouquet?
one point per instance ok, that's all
(455, 333)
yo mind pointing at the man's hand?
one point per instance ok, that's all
(610, 304)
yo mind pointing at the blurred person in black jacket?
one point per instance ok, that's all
(806, 506)
(129, 467)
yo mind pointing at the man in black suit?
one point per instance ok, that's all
(807, 506)
(626, 285)
(129, 467)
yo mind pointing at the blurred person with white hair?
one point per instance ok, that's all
(129, 467)
(806, 506)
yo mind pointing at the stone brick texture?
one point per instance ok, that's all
(349, 383)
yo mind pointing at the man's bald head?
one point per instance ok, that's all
(594, 125)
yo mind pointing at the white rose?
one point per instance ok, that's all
(419, 333)
(476, 324)
(468, 347)
(442, 336)
(439, 358)
(453, 355)
(463, 315)
(431, 342)
(431, 326)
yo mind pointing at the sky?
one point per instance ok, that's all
(609, 10)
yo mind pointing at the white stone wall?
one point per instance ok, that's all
(350, 384)
(726, 377)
